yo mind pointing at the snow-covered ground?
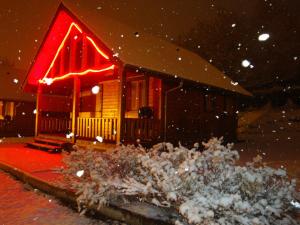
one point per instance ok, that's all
(20, 205)
(275, 136)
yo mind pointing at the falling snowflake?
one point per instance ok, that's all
(234, 83)
(233, 25)
(246, 63)
(95, 89)
(295, 204)
(15, 80)
(263, 37)
(70, 135)
(99, 138)
(79, 173)
(116, 55)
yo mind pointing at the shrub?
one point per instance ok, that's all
(205, 188)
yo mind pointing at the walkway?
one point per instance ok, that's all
(35, 162)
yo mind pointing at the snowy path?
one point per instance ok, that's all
(23, 206)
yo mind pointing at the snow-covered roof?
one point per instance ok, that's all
(10, 84)
(137, 48)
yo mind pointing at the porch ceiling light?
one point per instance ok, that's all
(95, 89)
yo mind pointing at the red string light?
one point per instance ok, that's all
(47, 80)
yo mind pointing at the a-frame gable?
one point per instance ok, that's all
(69, 49)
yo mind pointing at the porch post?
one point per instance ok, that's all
(75, 109)
(122, 104)
(38, 110)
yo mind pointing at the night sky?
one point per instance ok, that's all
(197, 22)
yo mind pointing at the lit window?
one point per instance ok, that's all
(136, 95)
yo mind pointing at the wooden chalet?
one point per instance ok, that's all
(97, 78)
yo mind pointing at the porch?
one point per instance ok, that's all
(71, 108)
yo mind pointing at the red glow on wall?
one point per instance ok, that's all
(68, 51)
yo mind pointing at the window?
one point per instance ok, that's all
(136, 95)
(210, 103)
(9, 111)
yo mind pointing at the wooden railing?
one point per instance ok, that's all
(16, 127)
(143, 129)
(93, 127)
(55, 125)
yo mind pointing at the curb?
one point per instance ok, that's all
(135, 213)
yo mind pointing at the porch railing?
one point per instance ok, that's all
(55, 125)
(93, 127)
(143, 129)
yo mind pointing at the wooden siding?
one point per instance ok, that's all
(110, 99)
(194, 114)
(55, 103)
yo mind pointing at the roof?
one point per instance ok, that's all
(137, 48)
(10, 82)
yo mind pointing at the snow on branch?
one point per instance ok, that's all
(205, 187)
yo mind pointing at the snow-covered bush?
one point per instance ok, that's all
(206, 188)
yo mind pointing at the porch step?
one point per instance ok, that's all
(51, 145)
(50, 148)
(49, 141)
